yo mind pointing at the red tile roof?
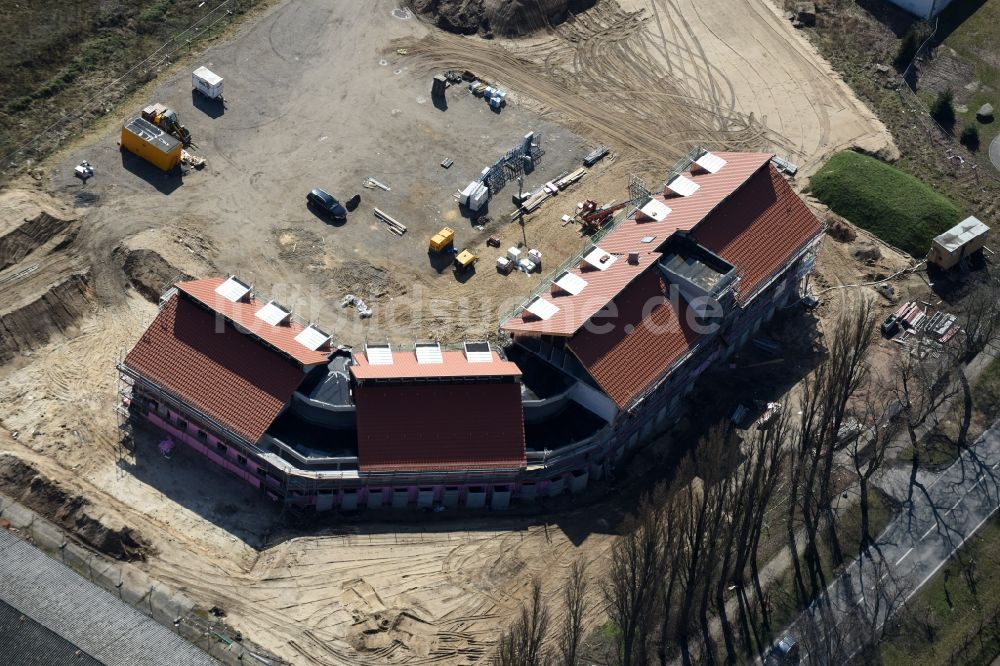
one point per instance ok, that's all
(759, 230)
(602, 286)
(229, 376)
(242, 313)
(440, 426)
(649, 334)
(454, 364)
(685, 214)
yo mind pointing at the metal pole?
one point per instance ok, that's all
(520, 207)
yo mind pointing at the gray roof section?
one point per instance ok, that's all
(961, 233)
(27, 643)
(101, 626)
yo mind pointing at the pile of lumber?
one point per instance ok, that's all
(551, 188)
(395, 227)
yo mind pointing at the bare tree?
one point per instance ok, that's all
(522, 643)
(632, 585)
(981, 318)
(754, 485)
(576, 602)
(691, 562)
(826, 395)
(669, 566)
(876, 431)
(921, 386)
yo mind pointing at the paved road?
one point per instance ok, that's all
(937, 517)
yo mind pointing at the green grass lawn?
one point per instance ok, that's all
(891, 204)
(975, 37)
(950, 621)
(986, 392)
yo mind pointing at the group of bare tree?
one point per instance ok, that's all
(671, 571)
(688, 555)
(531, 640)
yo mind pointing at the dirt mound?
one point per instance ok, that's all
(27, 221)
(506, 18)
(147, 271)
(840, 229)
(866, 252)
(392, 631)
(370, 282)
(56, 310)
(22, 481)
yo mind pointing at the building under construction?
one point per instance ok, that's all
(599, 360)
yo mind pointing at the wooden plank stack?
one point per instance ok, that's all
(532, 203)
(395, 227)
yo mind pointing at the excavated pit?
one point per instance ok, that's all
(55, 311)
(22, 481)
(147, 271)
(28, 221)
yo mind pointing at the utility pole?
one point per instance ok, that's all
(520, 207)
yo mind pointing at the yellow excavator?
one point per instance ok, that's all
(166, 119)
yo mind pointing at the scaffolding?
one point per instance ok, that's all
(514, 163)
(125, 441)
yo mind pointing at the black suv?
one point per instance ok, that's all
(324, 201)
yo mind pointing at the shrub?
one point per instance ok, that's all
(943, 109)
(970, 137)
(891, 204)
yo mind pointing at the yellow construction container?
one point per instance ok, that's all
(442, 239)
(464, 260)
(151, 143)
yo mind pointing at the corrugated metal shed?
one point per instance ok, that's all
(968, 229)
(106, 631)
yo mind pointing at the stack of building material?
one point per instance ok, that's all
(570, 178)
(911, 316)
(943, 326)
(532, 203)
(595, 156)
(551, 188)
(395, 227)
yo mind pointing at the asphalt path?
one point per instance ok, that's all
(939, 514)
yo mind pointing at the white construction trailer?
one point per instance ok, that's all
(207, 82)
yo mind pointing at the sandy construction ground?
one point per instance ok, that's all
(656, 77)
(319, 95)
